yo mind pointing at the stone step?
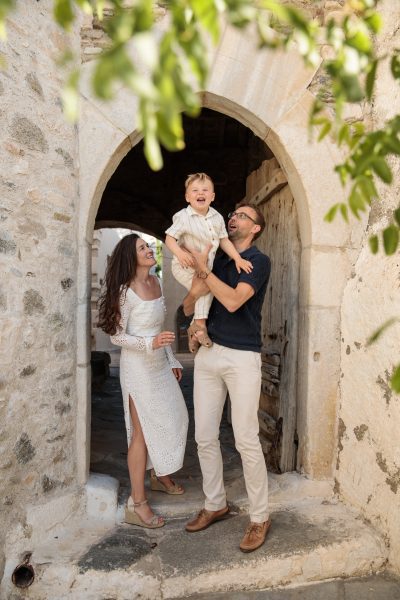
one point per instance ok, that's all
(283, 489)
(384, 586)
(311, 542)
(104, 501)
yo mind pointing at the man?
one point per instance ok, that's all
(233, 364)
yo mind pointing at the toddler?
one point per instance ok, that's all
(197, 226)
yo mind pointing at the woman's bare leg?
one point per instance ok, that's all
(137, 458)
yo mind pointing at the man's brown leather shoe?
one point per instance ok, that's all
(205, 518)
(254, 536)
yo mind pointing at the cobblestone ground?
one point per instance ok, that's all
(108, 439)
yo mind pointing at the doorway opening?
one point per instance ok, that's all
(242, 167)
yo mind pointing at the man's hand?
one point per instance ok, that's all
(201, 258)
(199, 288)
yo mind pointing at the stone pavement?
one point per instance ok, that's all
(313, 539)
(108, 451)
(375, 587)
(312, 543)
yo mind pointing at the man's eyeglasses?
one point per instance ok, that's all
(241, 216)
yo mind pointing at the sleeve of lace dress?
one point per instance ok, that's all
(173, 362)
(123, 339)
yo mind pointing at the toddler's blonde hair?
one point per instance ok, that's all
(195, 176)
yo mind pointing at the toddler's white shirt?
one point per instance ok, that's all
(196, 231)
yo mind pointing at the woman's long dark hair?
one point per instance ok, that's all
(121, 269)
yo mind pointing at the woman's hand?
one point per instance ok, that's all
(165, 338)
(177, 373)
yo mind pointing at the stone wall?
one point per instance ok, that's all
(368, 462)
(38, 209)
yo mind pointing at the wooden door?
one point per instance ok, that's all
(268, 188)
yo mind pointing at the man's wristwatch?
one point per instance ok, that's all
(203, 274)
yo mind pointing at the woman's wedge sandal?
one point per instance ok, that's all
(132, 517)
(158, 486)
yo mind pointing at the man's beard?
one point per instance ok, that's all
(234, 235)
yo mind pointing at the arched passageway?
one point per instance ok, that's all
(267, 93)
(145, 200)
(241, 165)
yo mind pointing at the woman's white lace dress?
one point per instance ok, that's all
(146, 375)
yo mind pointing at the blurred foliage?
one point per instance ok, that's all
(165, 66)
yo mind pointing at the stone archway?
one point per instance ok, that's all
(267, 93)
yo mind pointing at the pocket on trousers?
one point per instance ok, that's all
(257, 359)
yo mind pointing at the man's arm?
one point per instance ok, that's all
(199, 288)
(231, 298)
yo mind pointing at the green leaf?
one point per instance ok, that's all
(152, 151)
(378, 332)
(342, 172)
(393, 143)
(390, 239)
(330, 215)
(356, 201)
(396, 215)
(370, 80)
(276, 8)
(70, 97)
(395, 380)
(351, 88)
(298, 20)
(374, 244)
(358, 129)
(145, 44)
(381, 168)
(343, 135)
(325, 129)
(360, 41)
(374, 22)
(99, 9)
(85, 6)
(367, 187)
(207, 14)
(6, 6)
(197, 56)
(63, 13)
(170, 131)
(344, 211)
(395, 65)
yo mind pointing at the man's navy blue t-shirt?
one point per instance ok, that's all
(241, 329)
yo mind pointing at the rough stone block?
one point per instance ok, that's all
(101, 497)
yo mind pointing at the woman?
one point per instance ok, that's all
(132, 310)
